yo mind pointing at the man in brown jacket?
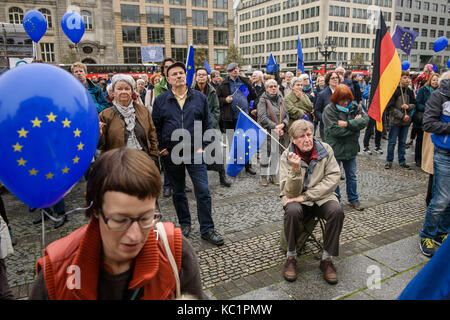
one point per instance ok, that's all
(309, 174)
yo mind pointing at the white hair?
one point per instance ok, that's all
(258, 74)
(445, 75)
(296, 79)
(303, 77)
(289, 73)
(269, 82)
(140, 81)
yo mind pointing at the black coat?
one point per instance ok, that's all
(322, 100)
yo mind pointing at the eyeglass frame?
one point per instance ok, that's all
(156, 217)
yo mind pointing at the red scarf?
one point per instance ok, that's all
(307, 156)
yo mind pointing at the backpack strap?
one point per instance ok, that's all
(272, 114)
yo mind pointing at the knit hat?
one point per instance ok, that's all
(122, 77)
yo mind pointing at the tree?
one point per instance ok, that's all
(199, 57)
(357, 59)
(234, 56)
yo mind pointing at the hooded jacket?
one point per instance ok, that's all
(97, 95)
(394, 106)
(436, 118)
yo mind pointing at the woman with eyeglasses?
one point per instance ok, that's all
(323, 99)
(118, 255)
(272, 116)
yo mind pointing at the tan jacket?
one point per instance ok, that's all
(114, 130)
(427, 153)
(316, 182)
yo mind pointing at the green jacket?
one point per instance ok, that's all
(296, 107)
(160, 87)
(344, 141)
(213, 103)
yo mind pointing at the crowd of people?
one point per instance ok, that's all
(139, 159)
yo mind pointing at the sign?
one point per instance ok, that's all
(15, 62)
(219, 67)
(152, 54)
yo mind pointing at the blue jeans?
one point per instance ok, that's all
(350, 180)
(437, 217)
(400, 132)
(199, 177)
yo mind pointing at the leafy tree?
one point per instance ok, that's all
(234, 55)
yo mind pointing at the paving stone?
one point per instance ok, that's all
(272, 292)
(391, 288)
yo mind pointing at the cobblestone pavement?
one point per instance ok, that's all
(250, 218)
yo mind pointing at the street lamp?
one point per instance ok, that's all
(326, 49)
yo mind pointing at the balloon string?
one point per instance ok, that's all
(43, 235)
(66, 213)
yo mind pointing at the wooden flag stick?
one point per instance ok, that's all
(245, 114)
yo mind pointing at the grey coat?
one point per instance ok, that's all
(265, 116)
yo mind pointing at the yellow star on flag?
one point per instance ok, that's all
(80, 146)
(36, 122)
(51, 117)
(49, 175)
(22, 133)
(77, 133)
(65, 170)
(66, 123)
(21, 162)
(76, 159)
(17, 147)
(33, 172)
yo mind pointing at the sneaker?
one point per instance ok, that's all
(427, 247)
(388, 165)
(404, 165)
(378, 150)
(263, 181)
(38, 218)
(367, 151)
(60, 223)
(439, 239)
(289, 271)
(213, 237)
(329, 271)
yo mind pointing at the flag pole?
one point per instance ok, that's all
(245, 114)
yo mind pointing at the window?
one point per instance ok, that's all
(398, 16)
(48, 52)
(15, 15)
(220, 56)
(426, 6)
(200, 3)
(132, 55)
(87, 18)
(433, 20)
(442, 21)
(430, 45)
(424, 33)
(221, 19)
(178, 2)
(179, 54)
(424, 19)
(131, 34)
(155, 35)
(155, 15)
(178, 36)
(178, 16)
(200, 18)
(48, 16)
(129, 13)
(416, 18)
(200, 36)
(221, 38)
(155, 1)
(432, 33)
(220, 4)
(417, 4)
(423, 46)
(407, 17)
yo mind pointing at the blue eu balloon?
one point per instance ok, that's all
(34, 24)
(440, 44)
(405, 65)
(435, 68)
(448, 63)
(49, 132)
(73, 26)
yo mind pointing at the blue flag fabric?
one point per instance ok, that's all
(404, 38)
(244, 90)
(300, 65)
(248, 137)
(207, 67)
(271, 65)
(190, 68)
(433, 281)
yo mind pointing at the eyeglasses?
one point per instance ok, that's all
(334, 78)
(202, 75)
(121, 223)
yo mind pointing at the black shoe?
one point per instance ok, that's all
(250, 170)
(388, 165)
(187, 189)
(404, 165)
(61, 222)
(213, 237)
(427, 247)
(185, 230)
(38, 218)
(167, 193)
(223, 179)
(378, 150)
(438, 240)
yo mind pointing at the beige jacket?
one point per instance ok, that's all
(427, 153)
(316, 182)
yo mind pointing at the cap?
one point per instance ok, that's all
(231, 66)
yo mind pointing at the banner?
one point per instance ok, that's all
(15, 62)
(152, 54)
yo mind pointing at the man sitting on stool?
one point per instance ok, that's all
(309, 175)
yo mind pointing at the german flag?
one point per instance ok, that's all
(387, 71)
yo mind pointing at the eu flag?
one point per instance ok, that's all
(190, 68)
(244, 90)
(300, 65)
(248, 137)
(207, 67)
(271, 65)
(404, 38)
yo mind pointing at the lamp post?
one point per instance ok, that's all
(326, 49)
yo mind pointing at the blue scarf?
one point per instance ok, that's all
(344, 109)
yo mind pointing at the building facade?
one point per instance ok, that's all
(98, 43)
(174, 25)
(431, 19)
(266, 27)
